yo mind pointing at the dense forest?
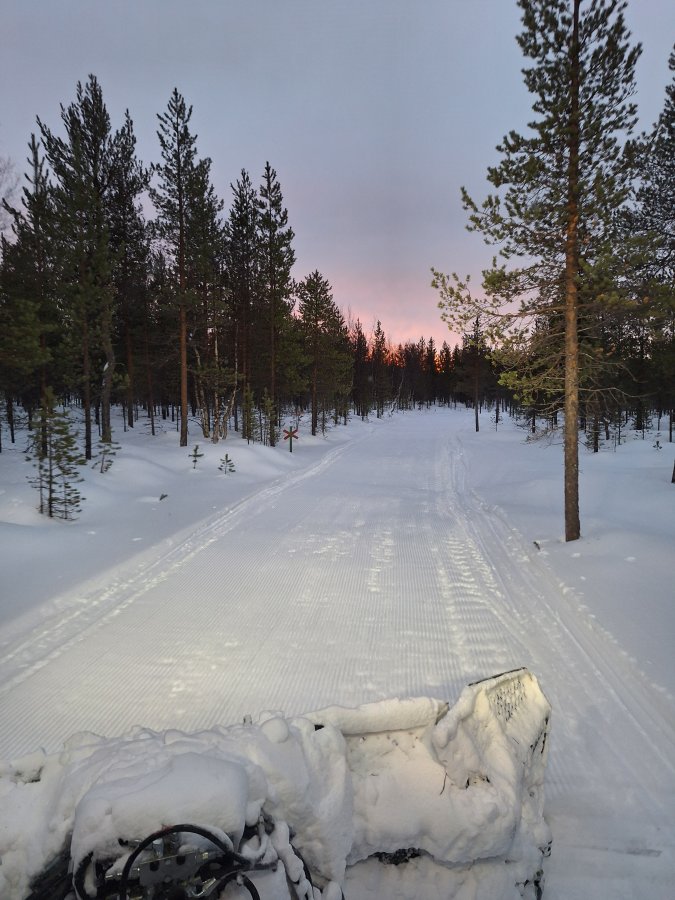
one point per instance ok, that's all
(132, 284)
(189, 313)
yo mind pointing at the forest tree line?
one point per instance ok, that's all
(191, 315)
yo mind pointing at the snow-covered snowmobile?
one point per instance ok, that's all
(337, 803)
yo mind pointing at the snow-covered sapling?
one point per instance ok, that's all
(226, 464)
(104, 457)
(195, 456)
(53, 450)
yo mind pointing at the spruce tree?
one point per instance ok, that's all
(321, 323)
(56, 462)
(362, 379)
(339, 366)
(558, 190)
(430, 371)
(226, 465)
(446, 375)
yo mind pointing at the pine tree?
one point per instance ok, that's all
(268, 425)
(248, 425)
(206, 280)
(654, 217)
(275, 238)
(28, 313)
(656, 195)
(339, 366)
(379, 361)
(131, 253)
(430, 371)
(560, 189)
(159, 350)
(171, 200)
(82, 165)
(474, 365)
(362, 378)
(242, 265)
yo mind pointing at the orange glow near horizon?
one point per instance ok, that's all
(405, 312)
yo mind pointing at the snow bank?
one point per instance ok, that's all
(398, 777)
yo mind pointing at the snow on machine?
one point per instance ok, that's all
(339, 803)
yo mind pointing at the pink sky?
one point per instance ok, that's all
(406, 309)
(373, 114)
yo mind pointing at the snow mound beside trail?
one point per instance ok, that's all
(401, 781)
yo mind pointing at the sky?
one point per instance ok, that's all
(372, 112)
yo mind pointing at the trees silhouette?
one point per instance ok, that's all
(122, 283)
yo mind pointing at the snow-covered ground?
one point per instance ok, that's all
(406, 556)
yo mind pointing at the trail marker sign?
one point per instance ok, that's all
(289, 434)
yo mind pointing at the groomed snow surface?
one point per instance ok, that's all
(401, 557)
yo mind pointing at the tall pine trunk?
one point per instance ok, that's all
(148, 373)
(183, 377)
(86, 388)
(571, 450)
(129, 354)
(108, 371)
(273, 362)
(476, 388)
(315, 379)
(182, 328)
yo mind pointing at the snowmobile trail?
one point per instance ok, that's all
(56, 630)
(612, 733)
(376, 572)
